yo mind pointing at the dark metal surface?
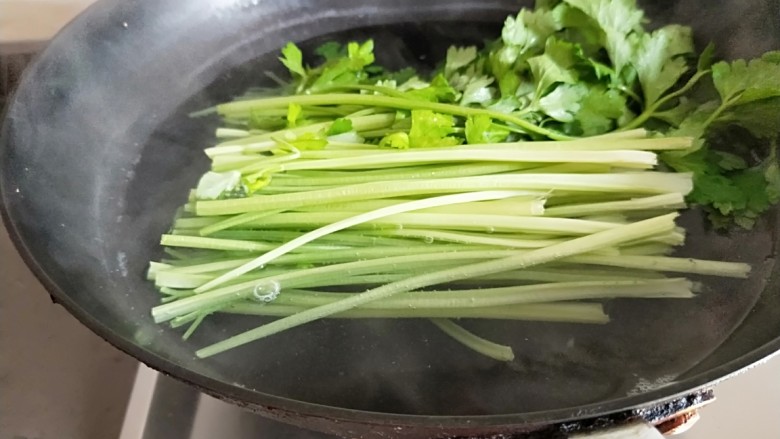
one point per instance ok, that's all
(97, 151)
(180, 411)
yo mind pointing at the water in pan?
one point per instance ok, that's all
(389, 366)
(409, 367)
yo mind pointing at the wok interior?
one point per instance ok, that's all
(100, 152)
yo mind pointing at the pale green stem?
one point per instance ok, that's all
(474, 342)
(640, 183)
(352, 221)
(535, 257)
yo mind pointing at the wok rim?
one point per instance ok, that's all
(286, 408)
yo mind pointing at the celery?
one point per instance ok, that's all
(365, 198)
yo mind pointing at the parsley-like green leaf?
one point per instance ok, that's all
(330, 50)
(741, 82)
(505, 105)
(761, 118)
(508, 83)
(729, 161)
(399, 140)
(481, 129)
(439, 90)
(459, 57)
(724, 185)
(345, 70)
(293, 113)
(563, 103)
(695, 124)
(600, 108)
(660, 61)
(478, 91)
(586, 110)
(617, 19)
(526, 33)
(706, 58)
(339, 126)
(554, 66)
(413, 83)
(430, 129)
(620, 15)
(772, 175)
(309, 141)
(400, 76)
(292, 58)
(361, 55)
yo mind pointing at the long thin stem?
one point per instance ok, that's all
(320, 274)
(349, 222)
(468, 238)
(212, 243)
(245, 107)
(407, 173)
(236, 221)
(546, 312)
(514, 295)
(516, 206)
(651, 110)
(640, 183)
(474, 342)
(661, 263)
(663, 201)
(627, 159)
(569, 248)
(207, 243)
(598, 143)
(488, 223)
(262, 142)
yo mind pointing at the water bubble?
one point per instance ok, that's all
(428, 239)
(267, 291)
(490, 229)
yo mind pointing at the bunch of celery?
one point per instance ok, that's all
(515, 183)
(527, 231)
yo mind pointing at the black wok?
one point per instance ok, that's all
(97, 151)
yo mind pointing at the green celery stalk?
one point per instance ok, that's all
(535, 257)
(354, 220)
(555, 312)
(473, 341)
(640, 183)
(241, 108)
